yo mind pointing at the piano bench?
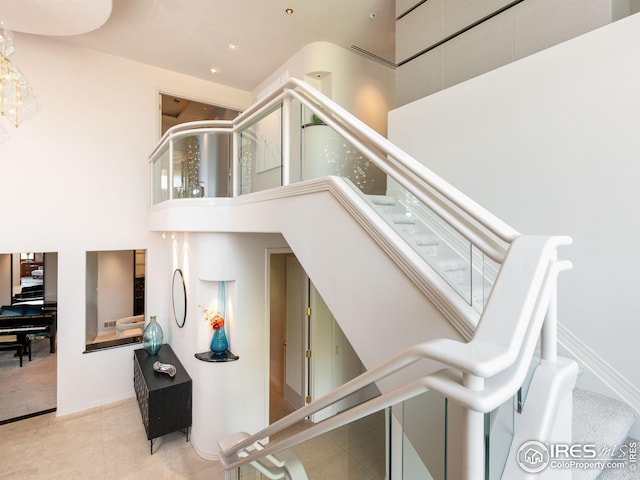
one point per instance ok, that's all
(17, 346)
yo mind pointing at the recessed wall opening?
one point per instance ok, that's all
(176, 110)
(115, 298)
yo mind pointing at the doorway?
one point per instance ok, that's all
(309, 353)
(176, 110)
(28, 300)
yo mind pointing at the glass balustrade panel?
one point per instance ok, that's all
(323, 152)
(355, 450)
(499, 428)
(202, 165)
(160, 173)
(447, 252)
(424, 426)
(260, 153)
(404, 441)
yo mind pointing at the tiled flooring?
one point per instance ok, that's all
(109, 442)
(353, 452)
(103, 443)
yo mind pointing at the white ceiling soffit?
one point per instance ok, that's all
(54, 17)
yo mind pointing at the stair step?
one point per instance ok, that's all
(601, 421)
(426, 245)
(383, 199)
(453, 268)
(383, 203)
(426, 239)
(402, 219)
(403, 224)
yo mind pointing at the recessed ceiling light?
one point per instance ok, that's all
(213, 70)
(289, 11)
(233, 46)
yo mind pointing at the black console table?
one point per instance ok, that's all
(164, 401)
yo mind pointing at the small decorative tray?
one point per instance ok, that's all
(164, 368)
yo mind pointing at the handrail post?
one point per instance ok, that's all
(235, 177)
(286, 139)
(473, 448)
(549, 334)
(170, 179)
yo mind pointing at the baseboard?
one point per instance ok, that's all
(592, 362)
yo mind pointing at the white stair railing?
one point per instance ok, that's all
(480, 374)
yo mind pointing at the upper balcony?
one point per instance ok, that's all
(297, 135)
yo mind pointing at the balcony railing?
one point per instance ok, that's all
(298, 134)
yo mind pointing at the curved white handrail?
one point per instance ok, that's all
(177, 131)
(498, 354)
(473, 221)
(455, 196)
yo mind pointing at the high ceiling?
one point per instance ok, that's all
(194, 36)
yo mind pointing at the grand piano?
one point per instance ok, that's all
(24, 319)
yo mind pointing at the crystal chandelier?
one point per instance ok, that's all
(18, 102)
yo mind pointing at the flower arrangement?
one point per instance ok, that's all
(213, 317)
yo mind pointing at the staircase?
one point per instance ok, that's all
(470, 351)
(450, 255)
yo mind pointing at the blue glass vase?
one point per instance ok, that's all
(152, 337)
(219, 344)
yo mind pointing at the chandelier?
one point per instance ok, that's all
(18, 102)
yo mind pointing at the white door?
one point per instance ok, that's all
(297, 334)
(334, 361)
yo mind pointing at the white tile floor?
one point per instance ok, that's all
(109, 442)
(103, 443)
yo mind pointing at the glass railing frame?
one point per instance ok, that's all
(482, 228)
(167, 144)
(242, 175)
(261, 453)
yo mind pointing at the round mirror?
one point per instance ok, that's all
(179, 295)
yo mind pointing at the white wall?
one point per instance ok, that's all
(115, 286)
(363, 87)
(75, 178)
(550, 144)
(227, 397)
